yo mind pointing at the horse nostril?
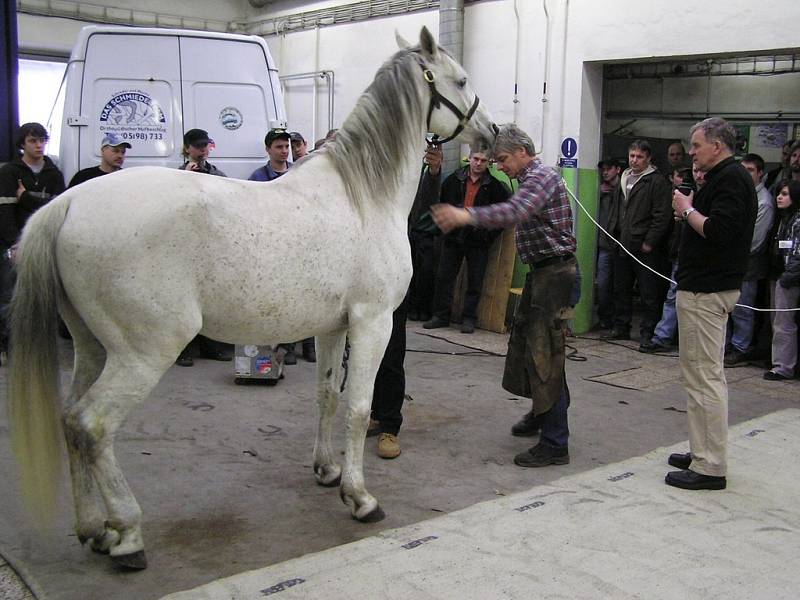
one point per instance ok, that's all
(496, 129)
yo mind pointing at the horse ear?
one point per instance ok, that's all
(401, 41)
(427, 43)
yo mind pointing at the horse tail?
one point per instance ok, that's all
(33, 375)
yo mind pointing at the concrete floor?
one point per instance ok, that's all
(223, 472)
(613, 532)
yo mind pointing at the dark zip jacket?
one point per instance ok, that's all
(40, 188)
(491, 191)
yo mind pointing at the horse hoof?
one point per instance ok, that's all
(327, 476)
(372, 517)
(135, 561)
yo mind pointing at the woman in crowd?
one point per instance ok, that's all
(785, 279)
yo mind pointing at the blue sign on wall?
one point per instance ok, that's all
(568, 163)
(569, 148)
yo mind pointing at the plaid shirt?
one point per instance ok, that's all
(541, 211)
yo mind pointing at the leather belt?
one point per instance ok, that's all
(551, 260)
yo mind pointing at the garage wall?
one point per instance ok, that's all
(538, 63)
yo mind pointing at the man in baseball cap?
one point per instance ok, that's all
(196, 146)
(276, 143)
(112, 156)
(299, 146)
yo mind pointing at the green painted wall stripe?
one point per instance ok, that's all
(586, 233)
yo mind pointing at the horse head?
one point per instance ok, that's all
(454, 110)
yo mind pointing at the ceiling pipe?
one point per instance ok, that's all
(451, 38)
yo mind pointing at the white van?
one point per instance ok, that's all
(149, 86)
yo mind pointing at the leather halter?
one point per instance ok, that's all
(436, 102)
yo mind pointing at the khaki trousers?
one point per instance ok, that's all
(702, 319)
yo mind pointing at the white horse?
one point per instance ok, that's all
(139, 262)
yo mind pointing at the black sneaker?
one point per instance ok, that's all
(436, 323)
(775, 376)
(653, 348)
(542, 456)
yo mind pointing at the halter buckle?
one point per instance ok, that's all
(428, 75)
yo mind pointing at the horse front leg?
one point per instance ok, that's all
(329, 382)
(368, 339)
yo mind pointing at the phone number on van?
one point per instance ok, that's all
(141, 136)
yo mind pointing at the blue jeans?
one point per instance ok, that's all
(743, 319)
(665, 330)
(555, 428)
(604, 279)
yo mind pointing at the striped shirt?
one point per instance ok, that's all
(541, 211)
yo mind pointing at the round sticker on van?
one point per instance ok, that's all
(230, 118)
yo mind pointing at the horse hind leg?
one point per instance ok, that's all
(90, 512)
(330, 349)
(124, 382)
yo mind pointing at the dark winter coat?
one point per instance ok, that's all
(647, 214)
(40, 188)
(491, 191)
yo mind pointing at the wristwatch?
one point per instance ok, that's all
(687, 212)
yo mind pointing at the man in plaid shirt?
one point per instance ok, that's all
(534, 368)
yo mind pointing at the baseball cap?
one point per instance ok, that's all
(196, 137)
(278, 133)
(295, 136)
(113, 140)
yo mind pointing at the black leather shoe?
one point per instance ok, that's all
(652, 348)
(413, 315)
(527, 426)
(468, 326)
(185, 361)
(680, 460)
(689, 480)
(542, 456)
(436, 323)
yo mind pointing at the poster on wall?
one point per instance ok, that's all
(770, 135)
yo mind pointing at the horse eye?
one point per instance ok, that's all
(462, 82)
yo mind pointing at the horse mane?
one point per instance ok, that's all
(371, 147)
